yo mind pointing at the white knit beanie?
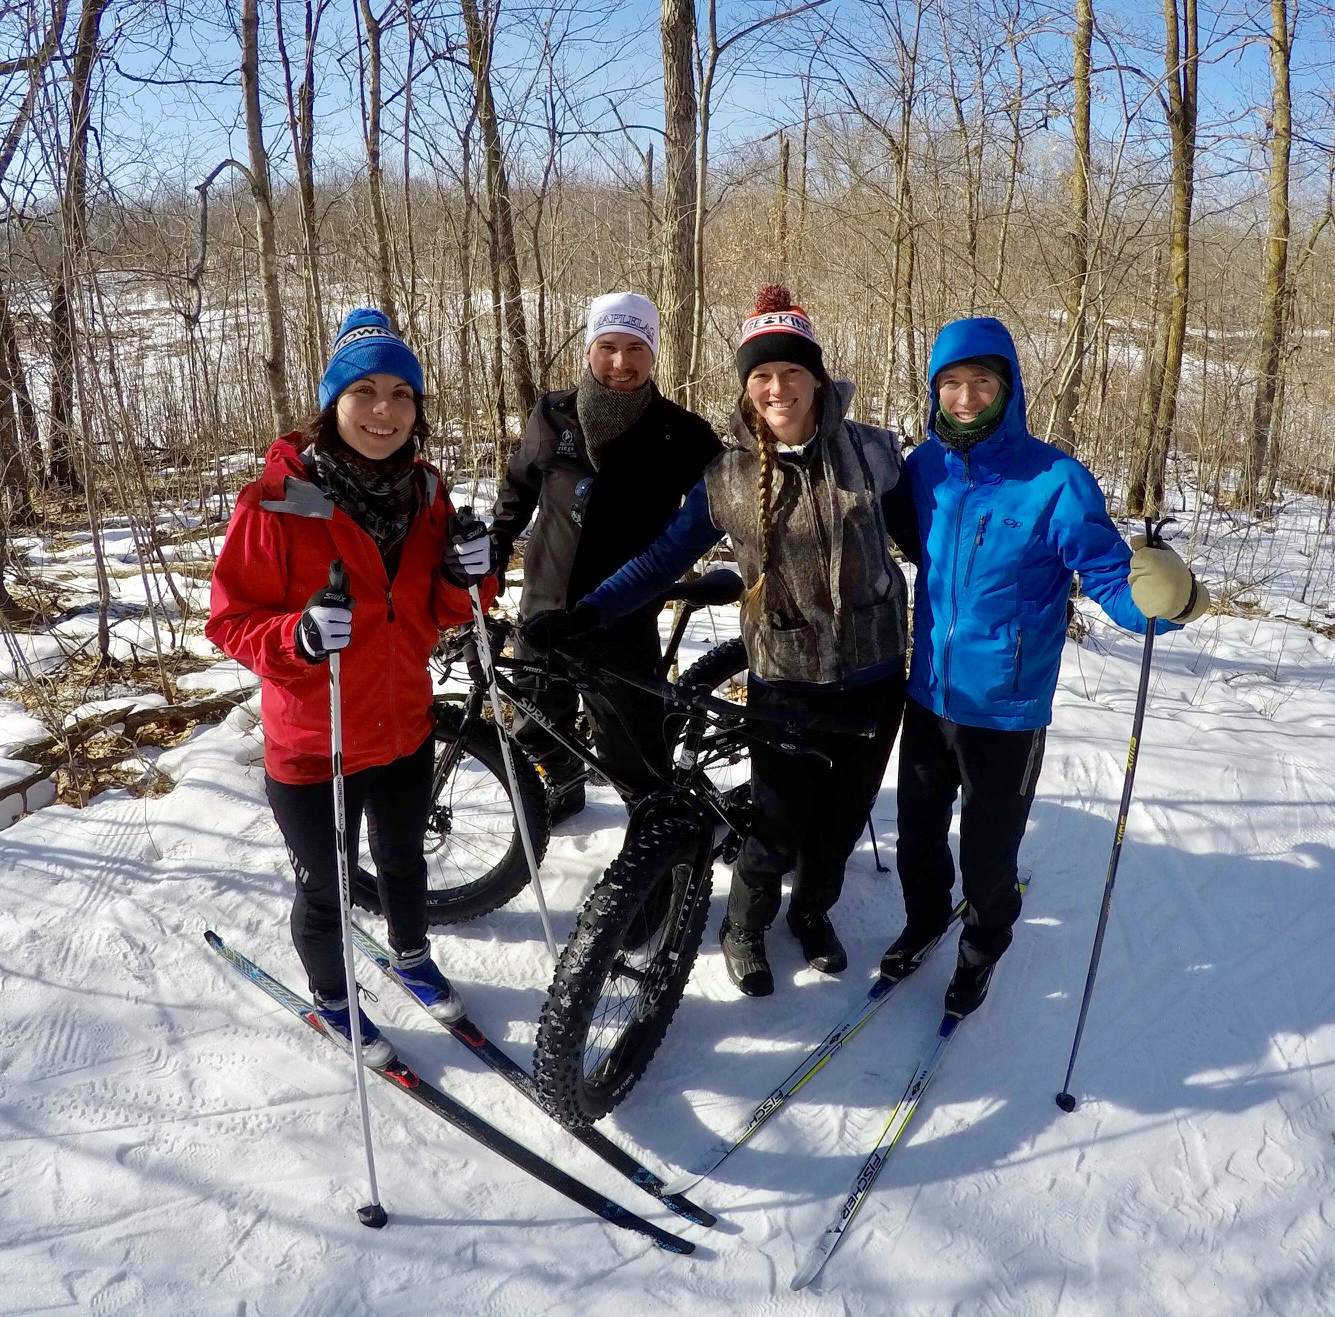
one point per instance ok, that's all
(623, 313)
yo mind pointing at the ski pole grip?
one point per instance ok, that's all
(467, 525)
(1154, 531)
(338, 577)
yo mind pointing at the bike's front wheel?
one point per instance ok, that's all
(622, 974)
(474, 854)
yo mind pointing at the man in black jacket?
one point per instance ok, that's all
(606, 464)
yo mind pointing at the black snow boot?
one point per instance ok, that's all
(744, 955)
(819, 942)
(969, 986)
(907, 952)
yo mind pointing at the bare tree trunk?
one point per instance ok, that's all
(1013, 168)
(36, 67)
(20, 442)
(504, 251)
(375, 174)
(1275, 304)
(301, 127)
(1076, 288)
(781, 207)
(651, 271)
(275, 347)
(969, 180)
(1156, 341)
(1180, 66)
(497, 326)
(14, 442)
(73, 234)
(806, 158)
(411, 326)
(680, 199)
(906, 243)
(890, 378)
(468, 226)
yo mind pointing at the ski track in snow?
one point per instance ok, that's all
(173, 1142)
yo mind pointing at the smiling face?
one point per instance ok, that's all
(784, 395)
(375, 415)
(620, 361)
(967, 391)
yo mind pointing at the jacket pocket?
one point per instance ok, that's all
(790, 653)
(975, 546)
(878, 633)
(1018, 663)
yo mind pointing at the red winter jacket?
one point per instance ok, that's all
(280, 542)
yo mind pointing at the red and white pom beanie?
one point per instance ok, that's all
(778, 330)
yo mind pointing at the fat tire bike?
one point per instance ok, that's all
(623, 971)
(474, 855)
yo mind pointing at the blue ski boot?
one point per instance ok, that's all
(419, 974)
(336, 1021)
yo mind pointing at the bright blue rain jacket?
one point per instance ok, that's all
(1003, 529)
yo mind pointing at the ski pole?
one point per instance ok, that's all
(875, 849)
(1064, 1099)
(372, 1214)
(465, 523)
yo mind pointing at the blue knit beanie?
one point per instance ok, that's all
(366, 345)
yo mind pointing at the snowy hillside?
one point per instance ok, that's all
(174, 1143)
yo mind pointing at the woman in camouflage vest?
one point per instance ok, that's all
(810, 501)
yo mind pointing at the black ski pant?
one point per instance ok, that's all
(395, 798)
(627, 723)
(998, 773)
(809, 815)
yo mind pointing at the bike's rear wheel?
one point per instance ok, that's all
(622, 974)
(474, 854)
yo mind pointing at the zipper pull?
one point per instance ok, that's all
(389, 603)
(982, 527)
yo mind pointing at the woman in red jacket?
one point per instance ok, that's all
(351, 486)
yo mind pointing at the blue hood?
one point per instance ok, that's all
(978, 336)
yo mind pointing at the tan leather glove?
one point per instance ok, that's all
(1162, 585)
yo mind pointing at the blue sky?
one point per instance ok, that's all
(179, 132)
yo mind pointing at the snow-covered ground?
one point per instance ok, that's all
(174, 1143)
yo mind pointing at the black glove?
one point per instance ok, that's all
(326, 624)
(557, 626)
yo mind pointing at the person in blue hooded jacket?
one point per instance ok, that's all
(1005, 521)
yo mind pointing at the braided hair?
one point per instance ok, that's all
(765, 442)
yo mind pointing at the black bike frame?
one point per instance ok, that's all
(703, 742)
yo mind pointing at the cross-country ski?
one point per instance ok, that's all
(402, 1077)
(467, 1032)
(815, 1061)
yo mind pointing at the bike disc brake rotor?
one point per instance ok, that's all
(470, 827)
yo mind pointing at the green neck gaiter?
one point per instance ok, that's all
(962, 435)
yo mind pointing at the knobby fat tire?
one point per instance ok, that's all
(668, 847)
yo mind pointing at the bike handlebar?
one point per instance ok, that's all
(785, 732)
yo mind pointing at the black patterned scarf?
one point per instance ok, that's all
(382, 497)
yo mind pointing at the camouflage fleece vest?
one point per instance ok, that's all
(835, 602)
